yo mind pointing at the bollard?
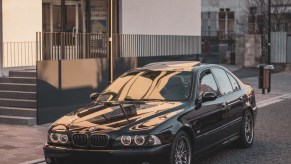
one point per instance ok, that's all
(261, 77)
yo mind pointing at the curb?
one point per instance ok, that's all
(37, 161)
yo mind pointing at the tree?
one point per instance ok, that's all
(255, 18)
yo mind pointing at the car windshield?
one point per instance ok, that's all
(149, 85)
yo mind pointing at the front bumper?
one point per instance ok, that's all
(129, 154)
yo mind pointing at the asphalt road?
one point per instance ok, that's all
(272, 142)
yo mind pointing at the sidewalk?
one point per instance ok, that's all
(281, 85)
(19, 144)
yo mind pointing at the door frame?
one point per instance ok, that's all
(75, 4)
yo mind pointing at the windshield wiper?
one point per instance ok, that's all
(124, 111)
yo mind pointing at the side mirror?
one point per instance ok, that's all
(209, 96)
(94, 96)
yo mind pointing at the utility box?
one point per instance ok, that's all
(265, 77)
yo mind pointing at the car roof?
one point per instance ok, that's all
(172, 65)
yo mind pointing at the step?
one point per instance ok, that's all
(18, 95)
(14, 111)
(17, 120)
(23, 73)
(18, 103)
(18, 87)
(22, 80)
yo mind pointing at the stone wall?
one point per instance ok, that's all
(248, 50)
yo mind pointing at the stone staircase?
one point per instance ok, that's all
(18, 98)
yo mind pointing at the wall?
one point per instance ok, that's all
(248, 50)
(1, 34)
(238, 6)
(21, 20)
(161, 17)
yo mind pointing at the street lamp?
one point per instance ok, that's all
(269, 32)
(269, 46)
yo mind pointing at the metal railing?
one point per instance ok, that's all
(18, 54)
(70, 46)
(155, 45)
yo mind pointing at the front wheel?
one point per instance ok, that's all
(181, 152)
(247, 130)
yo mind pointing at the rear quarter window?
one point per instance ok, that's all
(224, 83)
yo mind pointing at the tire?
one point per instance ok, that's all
(181, 151)
(247, 131)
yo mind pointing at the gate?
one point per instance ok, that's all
(289, 49)
(70, 46)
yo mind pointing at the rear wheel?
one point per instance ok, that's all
(247, 131)
(181, 152)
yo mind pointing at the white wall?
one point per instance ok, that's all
(161, 17)
(21, 20)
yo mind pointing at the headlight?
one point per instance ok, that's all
(126, 140)
(154, 140)
(54, 137)
(63, 138)
(58, 138)
(137, 140)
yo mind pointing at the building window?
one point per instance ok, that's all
(76, 16)
(99, 9)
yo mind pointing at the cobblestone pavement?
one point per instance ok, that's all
(21, 143)
(272, 144)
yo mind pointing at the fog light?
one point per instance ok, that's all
(139, 140)
(126, 140)
(48, 160)
(54, 137)
(154, 140)
(63, 138)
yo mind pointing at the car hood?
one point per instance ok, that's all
(103, 118)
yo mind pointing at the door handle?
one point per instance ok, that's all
(224, 110)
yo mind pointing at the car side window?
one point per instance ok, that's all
(234, 83)
(207, 83)
(223, 81)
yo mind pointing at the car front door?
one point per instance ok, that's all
(233, 97)
(210, 116)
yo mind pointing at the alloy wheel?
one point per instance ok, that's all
(249, 128)
(182, 152)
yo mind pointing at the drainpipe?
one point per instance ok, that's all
(109, 48)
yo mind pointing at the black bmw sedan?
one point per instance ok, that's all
(166, 112)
